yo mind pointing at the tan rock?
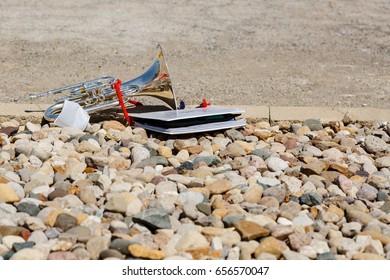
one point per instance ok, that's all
(263, 134)
(7, 194)
(195, 149)
(164, 151)
(332, 214)
(219, 186)
(214, 231)
(120, 163)
(303, 130)
(377, 236)
(269, 245)
(140, 251)
(247, 147)
(314, 167)
(250, 230)
(220, 212)
(113, 125)
(199, 253)
(253, 194)
(367, 256)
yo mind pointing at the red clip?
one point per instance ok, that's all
(204, 103)
(117, 87)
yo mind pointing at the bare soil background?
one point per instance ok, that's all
(277, 53)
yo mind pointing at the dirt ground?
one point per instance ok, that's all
(257, 52)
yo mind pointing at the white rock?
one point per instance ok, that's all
(120, 187)
(182, 156)
(38, 237)
(29, 254)
(333, 154)
(9, 240)
(291, 255)
(375, 247)
(276, 164)
(293, 184)
(319, 246)
(302, 220)
(33, 127)
(234, 253)
(139, 154)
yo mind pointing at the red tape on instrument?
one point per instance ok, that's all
(117, 87)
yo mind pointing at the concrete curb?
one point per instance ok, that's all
(34, 113)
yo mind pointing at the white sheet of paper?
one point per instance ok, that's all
(195, 128)
(174, 115)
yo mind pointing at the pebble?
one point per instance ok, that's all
(250, 230)
(308, 190)
(29, 254)
(276, 164)
(153, 218)
(219, 186)
(375, 144)
(367, 192)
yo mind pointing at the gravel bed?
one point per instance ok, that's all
(307, 190)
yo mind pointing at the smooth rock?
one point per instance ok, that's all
(29, 254)
(62, 256)
(65, 221)
(367, 192)
(7, 194)
(219, 186)
(375, 144)
(276, 164)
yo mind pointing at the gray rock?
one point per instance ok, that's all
(367, 192)
(326, 256)
(278, 192)
(313, 124)
(234, 134)
(264, 153)
(268, 182)
(17, 246)
(311, 199)
(382, 196)
(375, 144)
(28, 208)
(121, 245)
(65, 221)
(209, 160)
(205, 208)
(153, 218)
(153, 161)
(230, 219)
(52, 233)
